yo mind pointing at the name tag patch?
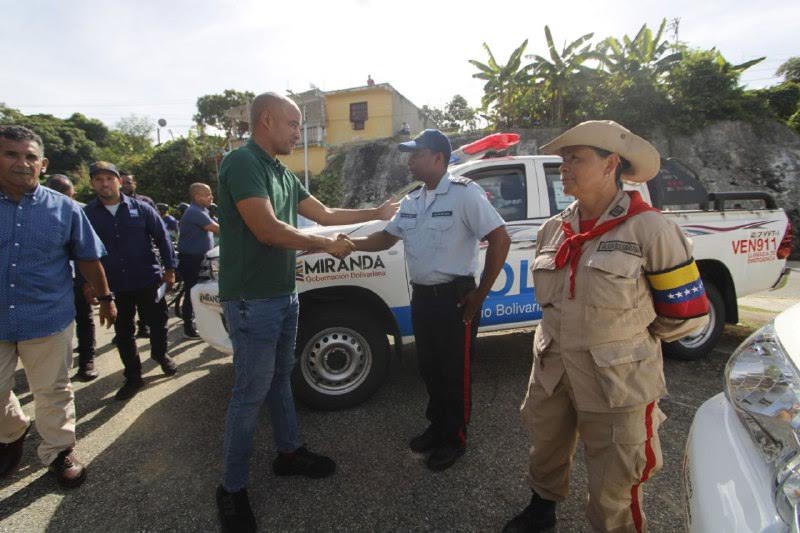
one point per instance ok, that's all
(134, 213)
(630, 248)
(408, 215)
(442, 214)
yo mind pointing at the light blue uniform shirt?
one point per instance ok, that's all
(442, 237)
(38, 237)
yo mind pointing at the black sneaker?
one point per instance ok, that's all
(168, 365)
(539, 515)
(303, 463)
(444, 457)
(129, 389)
(425, 442)
(190, 333)
(86, 372)
(235, 514)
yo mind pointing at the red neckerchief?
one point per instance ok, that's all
(570, 249)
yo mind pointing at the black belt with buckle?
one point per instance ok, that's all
(459, 285)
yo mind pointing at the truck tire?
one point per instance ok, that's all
(693, 347)
(342, 358)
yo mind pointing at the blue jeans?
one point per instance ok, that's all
(263, 335)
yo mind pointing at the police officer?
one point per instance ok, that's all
(441, 225)
(613, 278)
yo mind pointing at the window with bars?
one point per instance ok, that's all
(358, 114)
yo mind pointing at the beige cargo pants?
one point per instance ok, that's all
(622, 451)
(47, 362)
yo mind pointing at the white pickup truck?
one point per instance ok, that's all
(350, 308)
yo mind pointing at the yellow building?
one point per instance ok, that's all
(334, 118)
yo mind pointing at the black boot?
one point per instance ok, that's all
(539, 515)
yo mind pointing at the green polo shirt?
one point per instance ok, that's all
(249, 269)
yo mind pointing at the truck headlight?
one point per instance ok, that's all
(763, 385)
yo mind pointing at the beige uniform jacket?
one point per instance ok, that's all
(607, 337)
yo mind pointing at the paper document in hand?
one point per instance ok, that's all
(161, 292)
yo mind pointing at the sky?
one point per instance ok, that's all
(109, 59)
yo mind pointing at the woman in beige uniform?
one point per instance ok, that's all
(614, 278)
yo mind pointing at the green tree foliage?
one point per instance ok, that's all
(642, 81)
(503, 87)
(794, 121)
(95, 130)
(327, 186)
(66, 145)
(211, 110)
(456, 116)
(783, 99)
(790, 70)
(561, 70)
(703, 86)
(172, 167)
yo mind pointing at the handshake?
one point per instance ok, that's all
(340, 247)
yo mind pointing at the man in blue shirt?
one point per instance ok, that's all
(40, 231)
(197, 232)
(128, 227)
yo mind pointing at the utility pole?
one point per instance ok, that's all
(674, 26)
(305, 134)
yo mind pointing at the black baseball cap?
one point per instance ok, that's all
(434, 140)
(99, 166)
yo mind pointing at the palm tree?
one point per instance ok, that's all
(642, 54)
(557, 73)
(503, 83)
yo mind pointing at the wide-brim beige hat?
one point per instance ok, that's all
(606, 134)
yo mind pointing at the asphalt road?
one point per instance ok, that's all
(155, 461)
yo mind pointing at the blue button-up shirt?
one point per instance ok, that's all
(129, 235)
(194, 239)
(38, 237)
(441, 236)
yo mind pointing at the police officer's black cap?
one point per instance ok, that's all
(432, 139)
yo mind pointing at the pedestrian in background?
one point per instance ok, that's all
(129, 187)
(84, 321)
(197, 230)
(40, 232)
(128, 229)
(170, 222)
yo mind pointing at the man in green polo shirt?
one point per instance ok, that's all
(259, 200)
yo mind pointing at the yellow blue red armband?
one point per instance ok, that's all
(679, 292)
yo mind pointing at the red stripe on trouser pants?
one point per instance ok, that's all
(467, 400)
(650, 463)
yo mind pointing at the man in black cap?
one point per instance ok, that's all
(128, 227)
(441, 226)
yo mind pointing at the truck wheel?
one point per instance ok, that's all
(342, 358)
(693, 347)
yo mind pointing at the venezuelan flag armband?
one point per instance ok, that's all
(679, 292)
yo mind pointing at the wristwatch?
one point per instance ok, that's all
(106, 297)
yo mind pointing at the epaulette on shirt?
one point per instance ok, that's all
(565, 214)
(460, 180)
